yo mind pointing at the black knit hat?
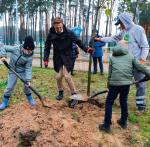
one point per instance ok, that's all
(29, 43)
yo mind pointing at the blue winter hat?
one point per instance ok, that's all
(29, 43)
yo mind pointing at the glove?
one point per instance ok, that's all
(46, 64)
(90, 50)
(3, 59)
(142, 61)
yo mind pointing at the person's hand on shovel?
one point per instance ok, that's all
(90, 50)
(28, 83)
(3, 59)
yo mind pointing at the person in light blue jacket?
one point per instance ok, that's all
(137, 46)
(98, 54)
(21, 62)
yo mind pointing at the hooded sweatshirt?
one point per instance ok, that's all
(19, 61)
(137, 41)
(121, 67)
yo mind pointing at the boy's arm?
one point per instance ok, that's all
(7, 48)
(141, 67)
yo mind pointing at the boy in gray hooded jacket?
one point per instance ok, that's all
(137, 46)
(120, 78)
(21, 62)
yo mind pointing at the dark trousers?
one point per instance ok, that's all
(73, 63)
(123, 91)
(100, 64)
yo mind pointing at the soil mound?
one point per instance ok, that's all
(59, 126)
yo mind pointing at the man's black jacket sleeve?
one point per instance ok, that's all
(78, 42)
(47, 48)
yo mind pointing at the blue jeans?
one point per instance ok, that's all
(123, 91)
(100, 64)
(140, 91)
(12, 80)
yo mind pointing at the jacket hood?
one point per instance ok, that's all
(119, 51)
(127, 19)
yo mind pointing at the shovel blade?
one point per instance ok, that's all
(79, 97)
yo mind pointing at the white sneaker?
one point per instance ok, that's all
(76, 97)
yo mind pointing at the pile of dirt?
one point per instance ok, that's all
(59, 126)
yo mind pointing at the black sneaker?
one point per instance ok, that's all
(60, 96)
(73, 103)
(122, 124)
(105, 128)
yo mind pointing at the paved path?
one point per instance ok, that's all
(79, 65)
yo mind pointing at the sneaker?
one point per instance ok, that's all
(102, 73)
(105, 128)
(60, 96)
(72, 103)
(122, 124)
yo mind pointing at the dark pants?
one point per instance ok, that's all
(140, 91)
(100, 64)
(123, 91)
(73, 63)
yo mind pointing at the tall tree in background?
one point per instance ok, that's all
(35, 12)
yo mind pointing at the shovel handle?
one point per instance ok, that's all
(142, 80)
(9, 67)
(98, 93)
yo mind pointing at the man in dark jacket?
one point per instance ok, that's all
(62, 40)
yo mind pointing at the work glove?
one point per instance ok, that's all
(142, 61)
(90, 50)
(46, 64)
(2, 59)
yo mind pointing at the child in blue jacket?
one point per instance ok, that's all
(98, 54)
(21, 62)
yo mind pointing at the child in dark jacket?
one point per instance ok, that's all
(120, 78)
(21, 62)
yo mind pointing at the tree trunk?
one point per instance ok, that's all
(75, 15)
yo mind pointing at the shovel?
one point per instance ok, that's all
(74, 101)
(81, 99)
(32, 89)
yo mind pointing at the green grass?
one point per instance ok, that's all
(44, 82)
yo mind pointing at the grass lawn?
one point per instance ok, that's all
(44, 81)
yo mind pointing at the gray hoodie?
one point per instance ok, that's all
(137, 42)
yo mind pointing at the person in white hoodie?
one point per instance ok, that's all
(137, 46)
